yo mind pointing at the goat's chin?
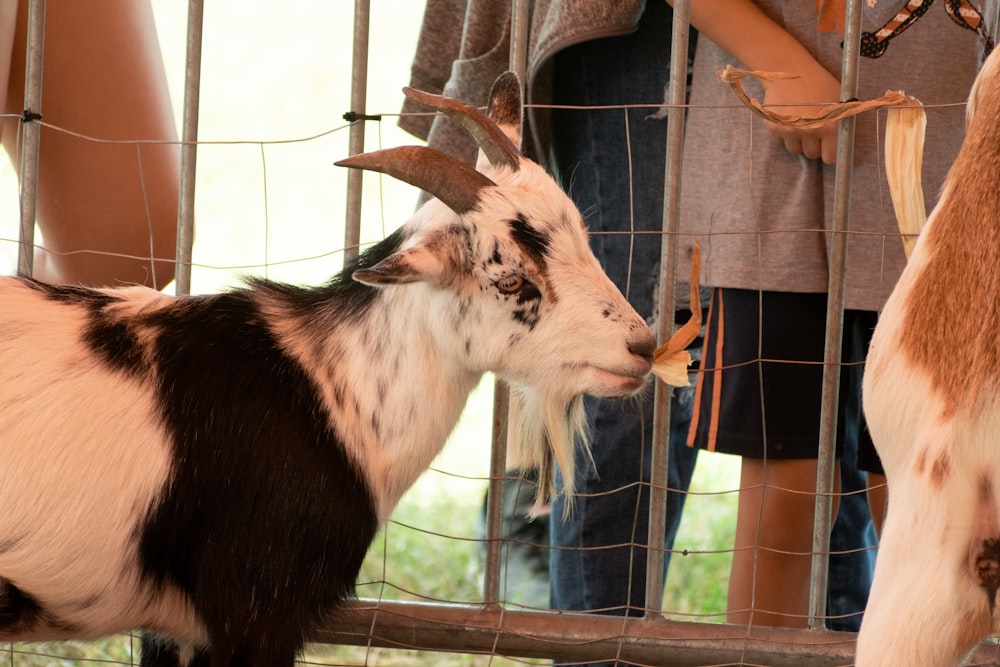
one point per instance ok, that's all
(610, 384)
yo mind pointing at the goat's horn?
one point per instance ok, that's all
(452, 181)
(499, 149)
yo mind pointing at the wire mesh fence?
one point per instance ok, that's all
(437, 586)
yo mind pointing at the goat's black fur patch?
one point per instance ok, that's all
(534, 242)
(73, 295)
(265, 519)
(114, 339)
(18, 610)
(350, 298)
(988, 569)
(159, 652)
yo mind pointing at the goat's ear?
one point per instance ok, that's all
(415, 264)
(505, 106)
(504, 109)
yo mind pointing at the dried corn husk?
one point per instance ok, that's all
(904, 155)
(904, 141)
(671, 360)
(734, 75)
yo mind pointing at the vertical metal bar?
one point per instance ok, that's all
(189, 148)
(668, 283)
(834, 326)
(494, 500)
(32, 135)
(356, 139)
(519, 20)
(492, 576)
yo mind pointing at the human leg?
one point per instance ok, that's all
(611, 162)
(760, 398)
(772, 560)
(852, 542)
(103, 77)
(598, 559)
(853, 538)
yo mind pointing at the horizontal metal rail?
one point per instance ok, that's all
(492, 629)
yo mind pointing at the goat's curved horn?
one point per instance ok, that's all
(452, 181)
(499, 149)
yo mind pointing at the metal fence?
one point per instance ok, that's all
(493, 628)
(653, 640)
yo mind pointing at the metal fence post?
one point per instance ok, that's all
(826, 460)
(356, 140)
(32, 135)
(668, 283)
(189, 149)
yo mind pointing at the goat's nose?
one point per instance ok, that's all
(643, 345)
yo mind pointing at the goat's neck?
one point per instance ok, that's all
(395, 385)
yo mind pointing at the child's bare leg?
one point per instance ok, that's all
(769, 582)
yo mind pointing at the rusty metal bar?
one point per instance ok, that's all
(520, 15)
(491, 629)
(826, 456)
(494, 499)
(356, 140)
(665, 327)
(493, 580)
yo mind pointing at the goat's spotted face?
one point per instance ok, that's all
(558, 297)
(521, 294)
(515, 288)
(528, 298)
(551, 298)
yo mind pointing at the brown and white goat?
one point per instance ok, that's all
(213, 468)
(932, 400)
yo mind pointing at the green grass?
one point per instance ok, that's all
(113, 650)
(697, 581)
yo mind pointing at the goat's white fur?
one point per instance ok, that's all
(932, 400)
(70, 492)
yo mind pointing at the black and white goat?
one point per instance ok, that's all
(932, 400)
(213, 468)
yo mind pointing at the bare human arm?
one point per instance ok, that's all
(103, 77)
(744, 31)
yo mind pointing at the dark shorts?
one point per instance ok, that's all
(759, 394)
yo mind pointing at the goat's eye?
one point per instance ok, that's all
(510, 284)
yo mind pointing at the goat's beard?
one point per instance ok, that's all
(548, 427)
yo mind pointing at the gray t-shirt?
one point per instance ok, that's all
(760, 212)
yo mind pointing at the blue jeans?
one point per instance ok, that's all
(598, 557)
(850, 569)
(853, 540)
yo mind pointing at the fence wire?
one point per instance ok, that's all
(409, 616)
